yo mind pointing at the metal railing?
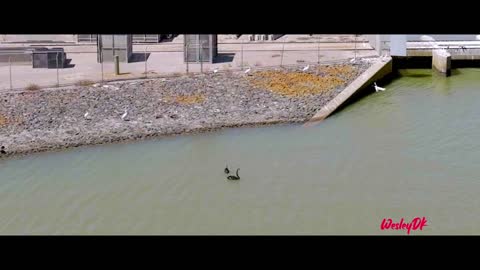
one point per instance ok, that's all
(84, 69)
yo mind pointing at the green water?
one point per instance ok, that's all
(410, 151)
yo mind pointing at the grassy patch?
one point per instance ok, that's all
(186, 99)
(32, 87)
(288, 83)
(84, 83)
(3, 121)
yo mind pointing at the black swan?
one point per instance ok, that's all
(227, 171)
(233, 177)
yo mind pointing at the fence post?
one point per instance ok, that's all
(10, 72)
(318, 58)
(200, 57)
(378, 43)
(242, 56)
(145, 59)
(281, 59)
(101, 65)
(355, 50)
(117, 64)
(185, 56)
(58, 80)
(318, 53)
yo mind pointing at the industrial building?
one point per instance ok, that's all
(397, 44)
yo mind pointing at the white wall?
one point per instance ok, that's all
(42, 38)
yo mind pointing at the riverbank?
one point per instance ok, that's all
(49, 119)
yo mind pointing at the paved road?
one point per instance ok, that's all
(167, 58)
(178, 47)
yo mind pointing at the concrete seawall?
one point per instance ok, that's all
(376, 72)
(158, 107)
(441, 61)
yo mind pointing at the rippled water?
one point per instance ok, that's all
(410, 151)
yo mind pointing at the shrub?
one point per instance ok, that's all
(84, 83)
(32, 87)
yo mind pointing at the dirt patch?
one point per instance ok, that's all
(319, 80)
(32, 87)
(341, 71)
(84, 83)
(3, 121)
(294, 83)
(185, 99)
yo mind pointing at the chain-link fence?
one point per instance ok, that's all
(31, 69)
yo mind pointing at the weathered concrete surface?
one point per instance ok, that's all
(441, 61)
(459, 50)
(456, 52)
(377, 71)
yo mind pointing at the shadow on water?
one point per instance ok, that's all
(465, 64)
(416, 75)
(425, 62)
(412, 62)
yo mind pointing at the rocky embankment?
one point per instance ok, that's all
(47, 119)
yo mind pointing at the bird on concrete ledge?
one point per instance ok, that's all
(378, 88)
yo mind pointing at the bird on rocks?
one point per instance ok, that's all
(86, 116)
(124, 115)
(306, 68)
(2, 150)
(215, 70)
(248, 70)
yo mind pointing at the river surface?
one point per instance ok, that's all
(411, 151)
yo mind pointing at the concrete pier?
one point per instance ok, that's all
(441, 61)
(376, 72)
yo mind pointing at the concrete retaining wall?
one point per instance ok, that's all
(456, 53)
(376, 72)
(441, 61)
